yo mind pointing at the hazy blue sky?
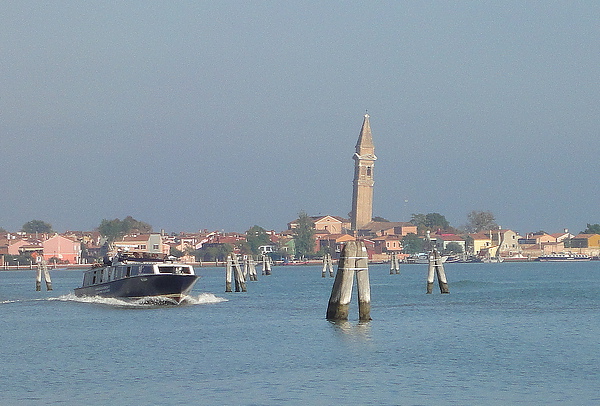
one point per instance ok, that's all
(221, 115)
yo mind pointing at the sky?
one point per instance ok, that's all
(194, 115)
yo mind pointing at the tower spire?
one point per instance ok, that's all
(362, 193)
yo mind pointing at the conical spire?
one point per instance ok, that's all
(364, 145)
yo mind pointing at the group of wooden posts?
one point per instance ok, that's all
(235, 272)
(354, 263)
(42, 270)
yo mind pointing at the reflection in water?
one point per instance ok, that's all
(360, 330)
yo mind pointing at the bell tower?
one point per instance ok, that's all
(362, 192)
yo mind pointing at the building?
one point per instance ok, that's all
(331, 224)
(62, 249)
(143, 243)
(381, 228)
(362, 187)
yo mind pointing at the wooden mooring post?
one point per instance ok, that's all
(327, 265)
(42, 269)
(394, 264)
(436, 268)
(353, 261)
(266, 265)
(233, 269)
(250, 267)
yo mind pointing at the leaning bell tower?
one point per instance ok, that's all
(362, 191)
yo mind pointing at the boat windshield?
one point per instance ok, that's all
(176, 269)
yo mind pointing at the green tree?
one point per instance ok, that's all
(256, 236)
(478, 221)
(113, 229)
(36, 226)
(304, 236)
(592, 229)
(213, 252)
(429, 222)
(454, 248)
(380, 219)
(412, 244)
(174, 252)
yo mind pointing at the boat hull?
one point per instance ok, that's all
(172, 286)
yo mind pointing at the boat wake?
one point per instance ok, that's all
(145, 302)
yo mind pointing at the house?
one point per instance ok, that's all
(62, 249)
(506, 241)
(477, 242)
(443, 240)
(143, 243)
(586, 241)
(333, 243)
(387, 244)
(331, 224)
(381, 228)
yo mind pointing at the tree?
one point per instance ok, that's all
(174, 252)
(478, 221)
(212, 252)
(454, 248)
(412, 244)
(429, 221)
(304, 235)
(592, 229)
(36, 226)
(113, 229)
(380, 219)
(256, 236)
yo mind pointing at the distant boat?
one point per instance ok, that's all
(517, 258)
(422, 259)
(132, 277)
(564, 257)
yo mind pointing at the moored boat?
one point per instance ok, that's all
(564, 256)
(138, 277)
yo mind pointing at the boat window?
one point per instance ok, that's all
(147, 269)
(175, 269)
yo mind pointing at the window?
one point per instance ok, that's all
(155, 247)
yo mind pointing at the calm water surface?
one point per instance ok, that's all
(506, 334)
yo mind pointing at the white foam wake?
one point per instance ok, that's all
(150, 301)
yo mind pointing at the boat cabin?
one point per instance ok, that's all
(120, 271)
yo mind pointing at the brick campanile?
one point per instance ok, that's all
(362, 192)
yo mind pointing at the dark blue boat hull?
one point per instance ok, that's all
(172, 286)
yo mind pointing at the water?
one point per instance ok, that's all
(506, 334)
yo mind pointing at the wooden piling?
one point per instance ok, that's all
(266, 265)
(42, 270)
(441, 274)
(327, 265)
(240, 280)
(394, 264)
(436, 268)
(251, 265)
(229, 273)
(353, 261)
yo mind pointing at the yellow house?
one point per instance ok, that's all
(586, 241)
(480, 241)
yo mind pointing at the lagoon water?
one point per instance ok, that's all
(520, 333)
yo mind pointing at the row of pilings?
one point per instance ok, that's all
(353, 264)
(238, 275)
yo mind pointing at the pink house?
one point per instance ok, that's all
(63, 249)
